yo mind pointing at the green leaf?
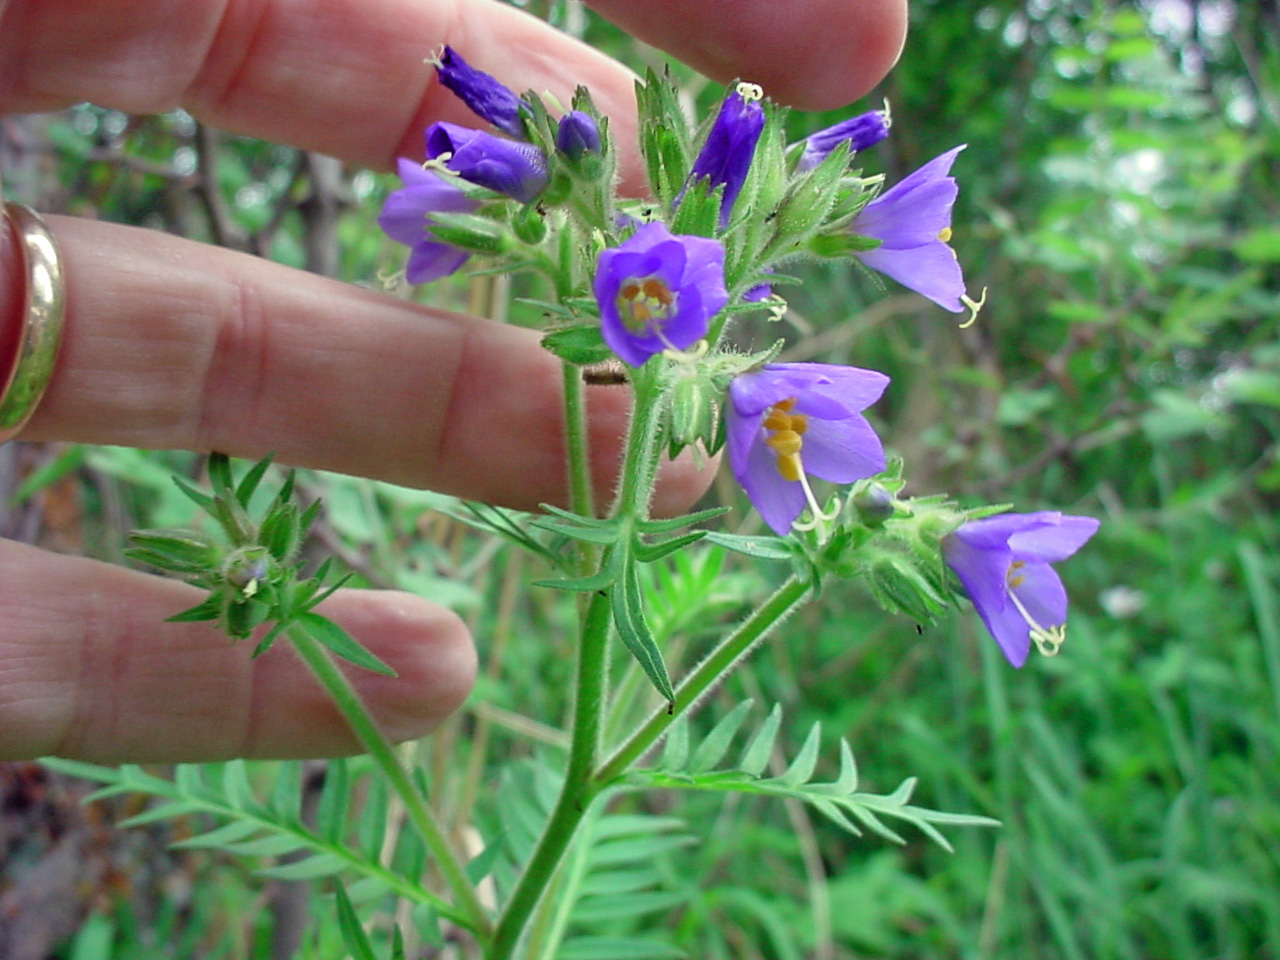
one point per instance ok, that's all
(319, 865)
(756, 756)
(353, 934)
(335, 801)
(616, 948)
(801, 769)
(762, 548)
(649, 552)
(582, 345)
(675, 748)
(576, 531)
(596, 581)
(713, 748)
(219, 837)
(342, 643)
(676, 523)
(633, 629)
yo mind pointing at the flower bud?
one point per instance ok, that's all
(577, 134)
(486, 97)
(860, 132)
(874, 504)
(517, 169)
(725, 158)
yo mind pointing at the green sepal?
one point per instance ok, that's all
(280, 532)
(182, 551)
(249, 482)
(196, 496)
(812, 197)
(241, 616)
(633, 629)
(342, 643)
(582, 345)
(470, 232)
(841, 244)
(530, 224)
(210, 608)
(699, 211)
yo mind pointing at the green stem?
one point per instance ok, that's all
(578, 451)
(578, 791)
(786, 599)
(590, 682)
(469, 913)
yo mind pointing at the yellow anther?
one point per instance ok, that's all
(799, 423)
(785, 443)
(945, 235)
(777, 420)
(789, 467)
(784, 405)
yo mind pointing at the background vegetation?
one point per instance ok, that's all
(1119, 198)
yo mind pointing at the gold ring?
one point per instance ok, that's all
(24, 383)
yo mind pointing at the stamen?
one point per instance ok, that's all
(945, 234)
(437, 164)
(672, 352)
(1048, 641)
(973, 305)
(750, 91)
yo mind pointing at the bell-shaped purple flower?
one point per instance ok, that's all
(486, 97)
(788, 420)
(577, 134)
(658, 291)
(912, 221)
(406, 218)
(860, 132)
(517, 169)
(726, 156)
(1004, 564)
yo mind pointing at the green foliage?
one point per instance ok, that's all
(686, 767)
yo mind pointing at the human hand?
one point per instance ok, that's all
(169, 344)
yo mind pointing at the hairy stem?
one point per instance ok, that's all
(786, 599)
(591, 678)
(469, 912)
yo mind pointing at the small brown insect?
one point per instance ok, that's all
(608, 373)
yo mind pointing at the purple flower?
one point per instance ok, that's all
(1003, 563)
(912, 221)
(517, 169)
(787, 420)
(860, 132)
(726, 156)
(406, 218)
(486, 97)
(658, 291)
(577, 134)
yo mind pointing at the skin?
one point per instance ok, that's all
(170, 344)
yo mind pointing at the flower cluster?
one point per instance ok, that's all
(659, 292)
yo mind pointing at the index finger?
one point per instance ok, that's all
(348, 77)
